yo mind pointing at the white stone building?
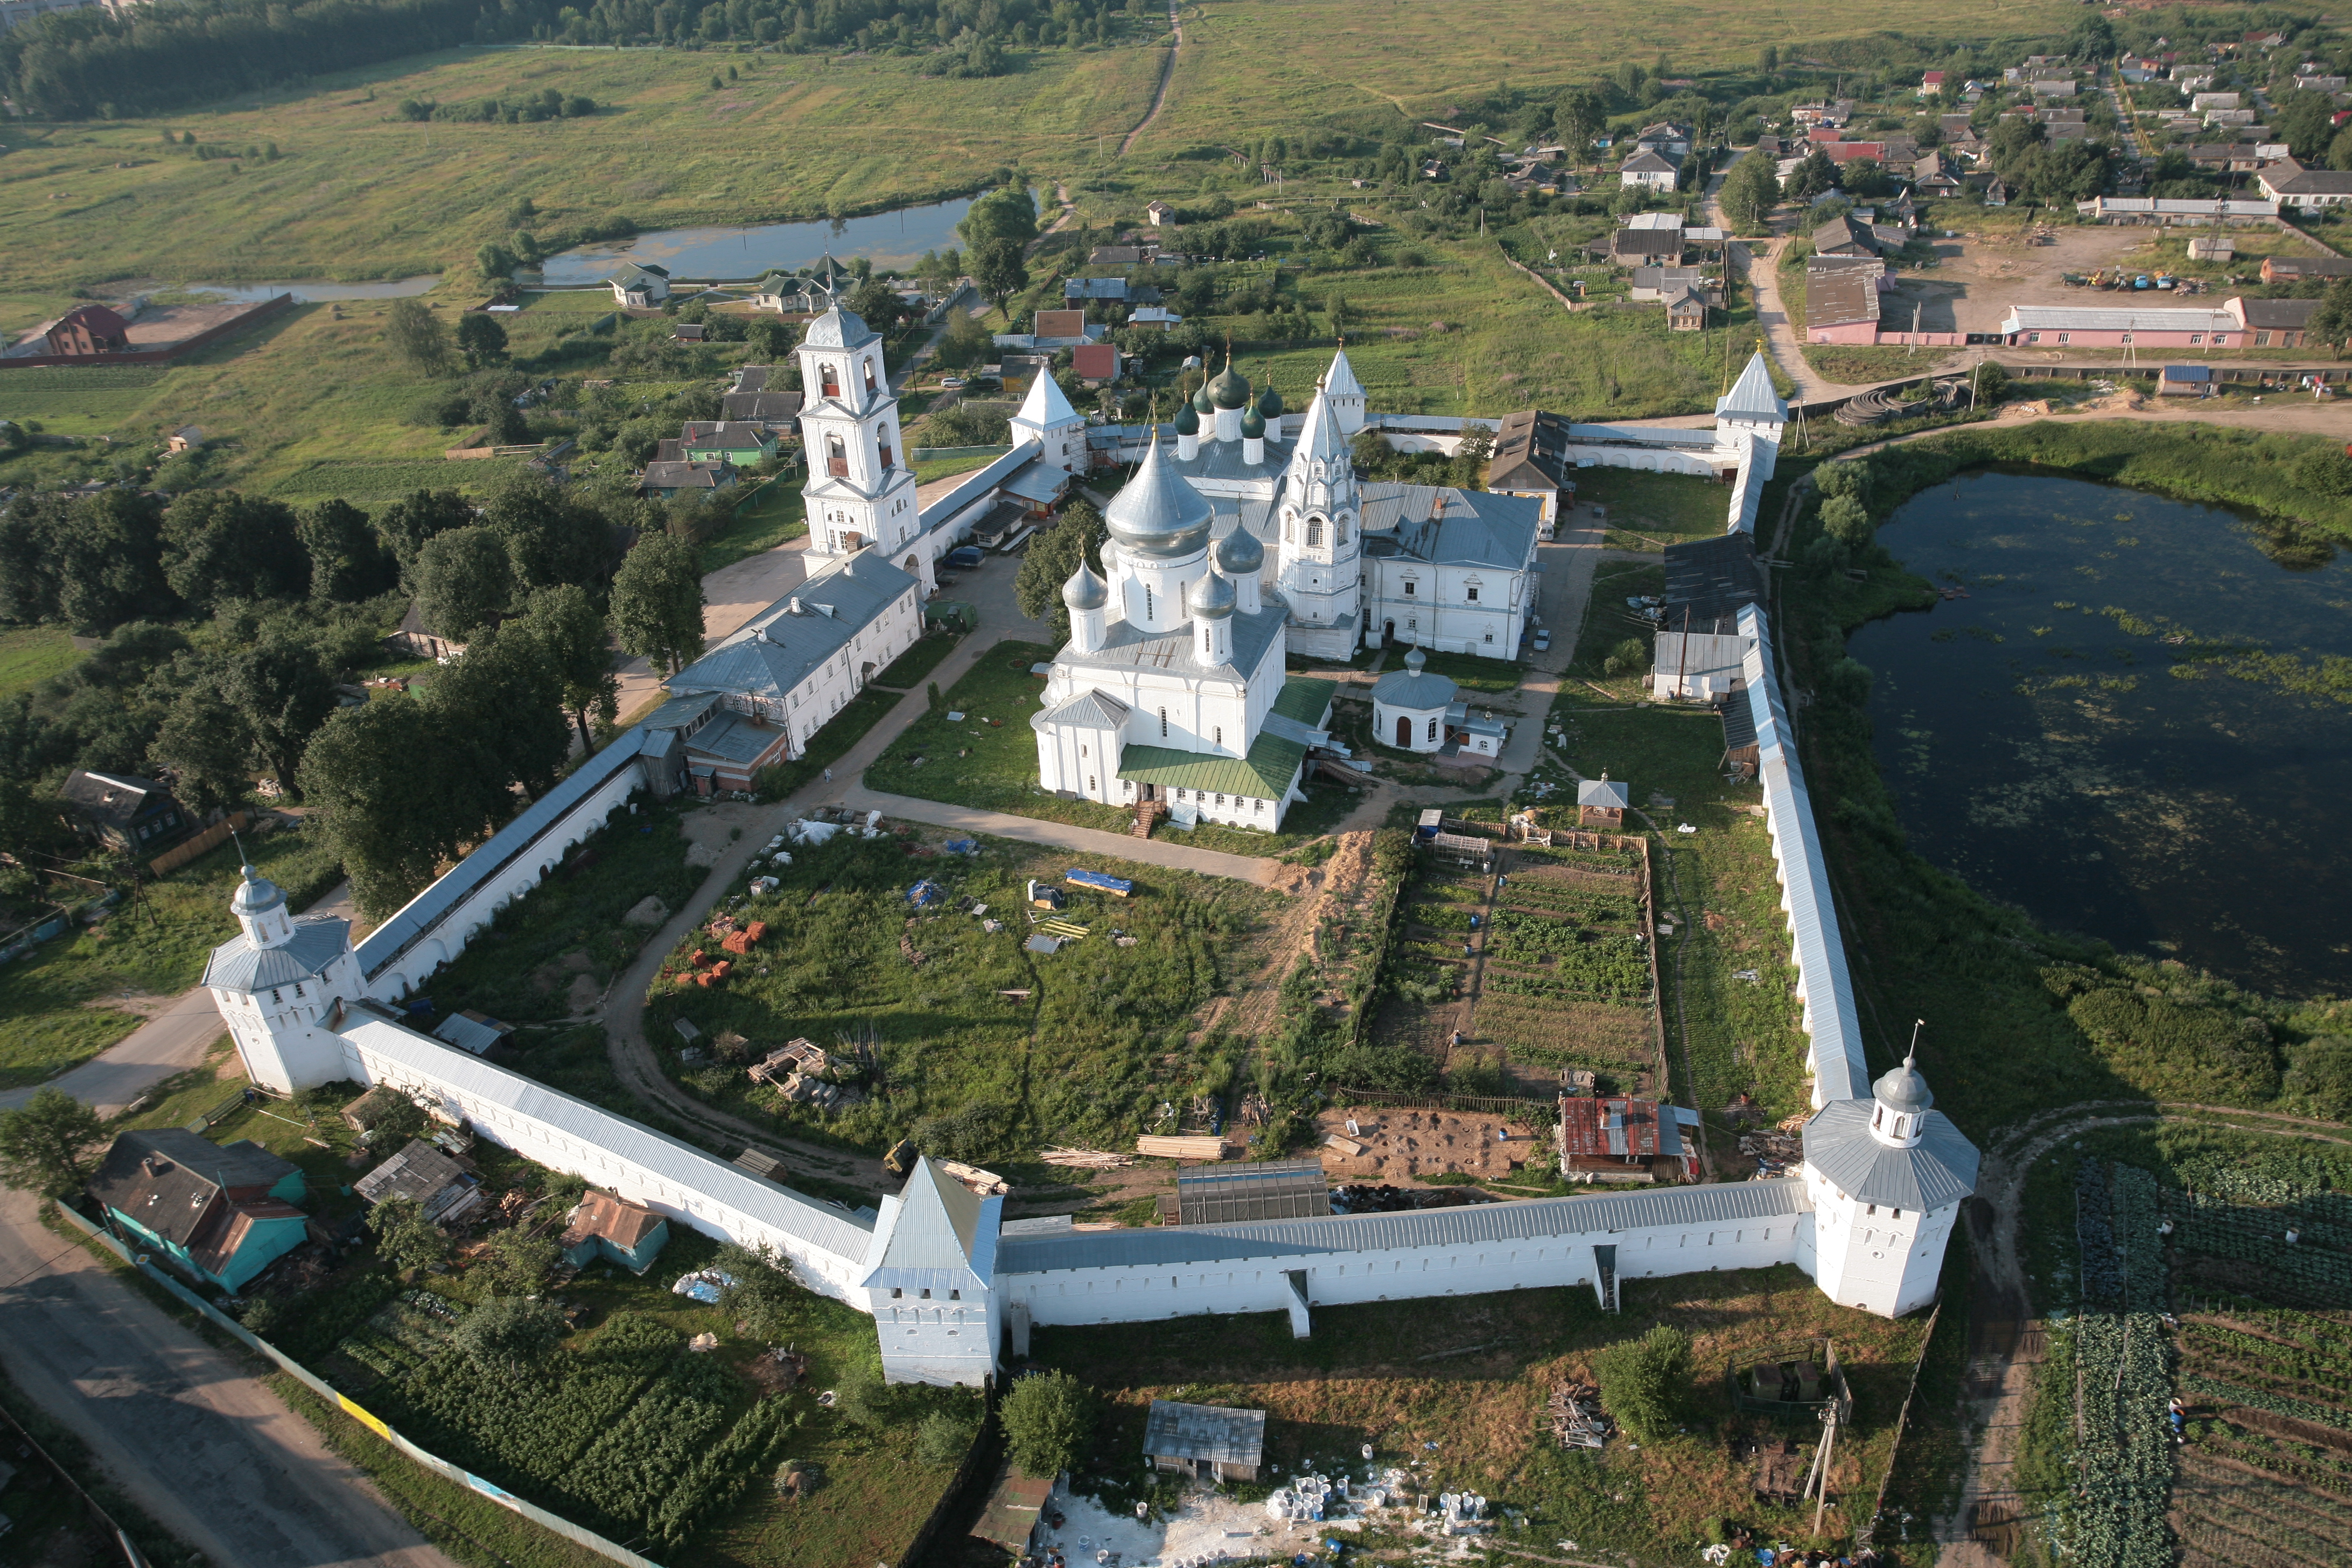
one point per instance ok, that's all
(860, 490)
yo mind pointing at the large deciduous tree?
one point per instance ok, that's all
(49, 1145)
(550, 536)
(564, 624)
(348, 563)
(657, 601)
(406, 524)
(481, 339)
(1000, 269)
(1049, 1421)
(385, 795)
(412, 331)
(464, 580)
(1053, 560)
(218, 545)
(281, 691)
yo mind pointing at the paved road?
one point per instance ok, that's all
(199, 1443)
(172, 1042)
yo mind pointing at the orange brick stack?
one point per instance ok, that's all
(741, 942)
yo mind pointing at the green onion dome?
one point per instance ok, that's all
(1187, 422)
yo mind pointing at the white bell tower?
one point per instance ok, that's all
(1886, 1177)
(860, 490)
(1320, 538)
(276, 983)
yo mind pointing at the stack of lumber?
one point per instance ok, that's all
(1087, 1159)
(1202, 1147)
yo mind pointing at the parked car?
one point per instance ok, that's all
(1543, 639)
(951, 383)
(963, 555)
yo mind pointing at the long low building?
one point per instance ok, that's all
(2120, 326)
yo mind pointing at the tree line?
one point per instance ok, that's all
(230, 621)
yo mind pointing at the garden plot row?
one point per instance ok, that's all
(2116, 1517)
(1570, 979)
(2226, 1514)
(2315, 1266)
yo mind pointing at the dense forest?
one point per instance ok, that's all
(146, 59)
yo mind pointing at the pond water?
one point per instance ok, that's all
(311, 290)
(2064, 738)
(894, 240)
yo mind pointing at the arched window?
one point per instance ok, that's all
(1432, 728)
(829, 378)
(869, 374)
(836, 457)
(1314, 533)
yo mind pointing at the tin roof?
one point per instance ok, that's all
(1273, 1189)
(2094, 318)
(237, 965)
(1534, 1218)
(783, 646)
(1941, 1169)
(1449, 527)
(936, 1234)
(1211, 1432)
(1265, 773)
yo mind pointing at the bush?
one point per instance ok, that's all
(1049, 1421)
(1845, 519)
(945, 1438)
(1643, 1382)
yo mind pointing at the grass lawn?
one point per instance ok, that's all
(1609, 620)
(1101, 1038)
(1470, 672)
(774, 516)
(907, 671)
(929, 469)
(1650, 511)
(1459, 1390)
(30, 655)
(54, 1003)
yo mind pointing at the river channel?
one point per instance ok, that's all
(894, 241)
(2058, 738)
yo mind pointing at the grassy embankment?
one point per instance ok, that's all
(57, 1004)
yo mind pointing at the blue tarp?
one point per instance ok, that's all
(962, 846)
(926, 892)
(1097, 880)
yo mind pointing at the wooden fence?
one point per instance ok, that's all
(212, 837)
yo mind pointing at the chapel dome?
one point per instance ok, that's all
(1085, 591)
(1210, 597)
(838, 329)
(1903, 1090)
(1269, 403)
(1187, 422)
(1201, 402)
(1157, 514)
(1416, 660)
(1252, 425)
(1229, 390)
(257, 895)
(1240, 553)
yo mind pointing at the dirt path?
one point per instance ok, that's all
(2004, 1352)
(1167, 75)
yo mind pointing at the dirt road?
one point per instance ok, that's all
(195, 1440)
(1167, 75)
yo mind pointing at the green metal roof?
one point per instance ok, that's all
(1265, 774)
(1304, 698)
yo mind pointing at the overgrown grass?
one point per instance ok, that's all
(907, 671)
(54, 1010)
(30, 655)
(1098, 1042)
(774, 516)
(1649, 512)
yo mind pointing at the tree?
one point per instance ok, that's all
(482, 340)
(1049, 1421)
(2323, 470)
(876, 304)
(498, 714)
(1990, 383)
(550, 536)
(498, 264)
(463, 581)
(379, 790)
(404, 1237)
(563, 624)
(1053, 560)
(508, 1334)
(1817, 175)
(2331, 325)
(945, 1437)
(1643, 1382)
(765, 1298)
(517, 1262)
(280, 691)
(348, 563)
(219, 545)
(1000, 269)
(1749, 192)
(406, 524)
(414, 333)
(657, 601)
(46, 1145)
(1847, 520)
(2320, 1070)
(1010, 212)
(966, 342)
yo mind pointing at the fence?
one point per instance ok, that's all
(1545, 1111)
(237, 323)
(212, 837)
(1869, 1529)
(320, 1386)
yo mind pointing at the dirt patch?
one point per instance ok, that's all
(712, 824)
(557, 970)
(1405, 1145)
(585, 995)
(139, 1006)
(646, 911)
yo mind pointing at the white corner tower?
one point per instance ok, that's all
(1047, 418)
(1345, 394)
(1886, 1177)
(276, 983)
(1320, 538)
(934, 1260)
(860, 490)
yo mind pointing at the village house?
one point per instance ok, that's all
(1158, 214)
(442, 1187)
(85, 329)
(2274, 324)
(1665, 138)
(666, 478)
(2096, 326)
(638, 288)
(1841, 304)
(1844, 236)
(742, 443)
(1648, 171)
(2299, 269)
(1207, 1442)
(125, 812)
(748, 399)
(615, 1230)
(2289, 183)
(224, 1214)
(186, 438)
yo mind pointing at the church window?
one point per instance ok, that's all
(1490, 635)
(1314, 533)
(1411, 589)
(1221, 734)
(1147, 610)
(830, 380)
(869, 374)
(1432, 728)
(926, 1295)
(274, 997)
(1261, 808)
(1082, 753)
(1898, 1213)
(1090, 783)
(956, 1296)
(297, 991)
(1872, 1210)
(897, 1292)
(1221, 799)
(836, 457)
(1473, 594)
(1163, 723)
(1878, 1117)
(885, 454)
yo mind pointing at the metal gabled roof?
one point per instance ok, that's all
(1826, 985)
(1089, 709)
(1265, 773)
(1447, 527)
(1534, 1219)
(777, 649)
(682, 1166)
(1751, 396)
(1941, 1169)
(1228, 1437)
(237, 966)
(937, 1235)
(1304, 698)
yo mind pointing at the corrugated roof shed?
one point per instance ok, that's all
(1708, 579)
(1213, 1432)
(1273, 1189)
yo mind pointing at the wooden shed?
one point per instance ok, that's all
(1210, 1441)
(1600, 803)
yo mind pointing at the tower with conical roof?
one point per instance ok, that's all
(1752, 411)
(1320, 538)
(860, 489)
(1047, 418)
(276, 984)
(1886, 1177)
(1344, 392)
(931, 1280)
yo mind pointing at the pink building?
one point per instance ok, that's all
(2094, 327)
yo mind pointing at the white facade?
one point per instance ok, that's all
(1059, 430)
(860, 490)
(1320, 536)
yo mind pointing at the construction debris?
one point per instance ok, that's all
(987, 1183)
(1576, 1417)
(1776, 1153)
(1201, 1148)
(1384, 1199)
(1087, 1159)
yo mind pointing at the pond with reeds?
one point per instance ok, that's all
(2131, 717)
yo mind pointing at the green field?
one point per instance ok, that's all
(30, 655)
